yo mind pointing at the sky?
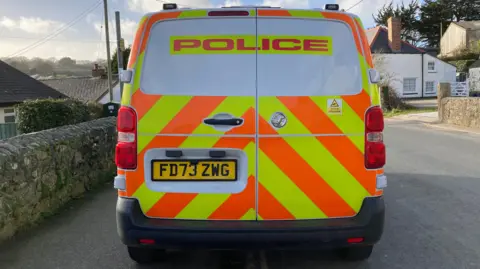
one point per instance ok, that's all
(76, 28)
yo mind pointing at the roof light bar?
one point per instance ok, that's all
(170, 6)
(332, 7)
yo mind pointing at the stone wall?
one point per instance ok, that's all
(463, 111)
(40, 172)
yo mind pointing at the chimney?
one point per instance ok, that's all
(97, 72)
(394, 28)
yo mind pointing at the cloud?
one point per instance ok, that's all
(30, 25)
(286, 3)
(79, 50)
(144, 6)
(127, 27)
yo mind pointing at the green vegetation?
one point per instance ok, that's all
(397, 112)
(37, 115)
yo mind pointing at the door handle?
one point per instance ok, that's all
(223, 122)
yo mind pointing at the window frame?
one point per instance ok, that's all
(434, 67)
(414, 86)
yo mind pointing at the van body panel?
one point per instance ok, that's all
(297, 80)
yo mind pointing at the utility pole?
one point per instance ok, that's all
(107, 37)
(119, 49)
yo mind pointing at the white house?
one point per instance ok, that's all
(412, 71)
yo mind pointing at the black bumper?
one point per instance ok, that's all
(132, 225)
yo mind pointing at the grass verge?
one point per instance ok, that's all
(397, 112)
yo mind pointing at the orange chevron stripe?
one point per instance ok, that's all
(359, 103)
(341, 147)
(237, 204)
(135, 178)
(136, 44)
(298, 170)
(152, 20)
(163, 207)
(269, 207)
(366, 46)
(171, 204)
(192, 114)
(347, 19)
(143, 102)
(191, 122)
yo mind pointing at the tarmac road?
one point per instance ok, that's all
(432, 221)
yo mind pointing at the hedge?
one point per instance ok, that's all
(38, 115)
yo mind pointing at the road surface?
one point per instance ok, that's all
(432, 220)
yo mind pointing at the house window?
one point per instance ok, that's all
(431, 66)
(409, 85)
(9, 119)
(9, 115)
(430, 87)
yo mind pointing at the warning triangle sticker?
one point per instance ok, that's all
(334, 103)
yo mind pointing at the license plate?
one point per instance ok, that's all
(194, 170)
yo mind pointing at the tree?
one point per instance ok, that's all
(41, 67)
(408, 16)
(66, 62)
(126, 55)
(434, 13)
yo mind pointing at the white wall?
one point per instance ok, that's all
(400, 66)
(444, 72)
(454, 38)
(116, 95)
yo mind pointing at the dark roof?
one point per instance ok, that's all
(476, 64)
(16, 86)
(471, 25)
(81, 88)
(378, 40)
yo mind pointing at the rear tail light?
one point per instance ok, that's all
(126, 149)
(375, 156)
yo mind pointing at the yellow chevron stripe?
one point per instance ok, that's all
(138, 72)
(348, 122)
(364, 72)
(317, 156)
(146, 197)
(204, 204)
(158, 117)
(285, 191)
(250, 215)
(330, 169)
(126, 97)
(235, 105)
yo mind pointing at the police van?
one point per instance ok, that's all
(250, 127)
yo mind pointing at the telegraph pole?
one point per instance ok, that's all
(107, 37)
(119, 49)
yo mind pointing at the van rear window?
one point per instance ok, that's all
(174, 64)
(337, 72)
(300, 57)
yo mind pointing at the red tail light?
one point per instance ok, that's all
(375, 156)
(126, 149)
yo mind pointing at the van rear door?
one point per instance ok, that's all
(196, 117)
(311, 77)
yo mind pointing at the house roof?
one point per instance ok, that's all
(82, 88)
(378, 40)
(472, 25)
(16, 86)
(476, 64)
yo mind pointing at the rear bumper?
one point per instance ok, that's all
(132, 225)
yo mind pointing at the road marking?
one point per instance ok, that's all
(263, 260)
